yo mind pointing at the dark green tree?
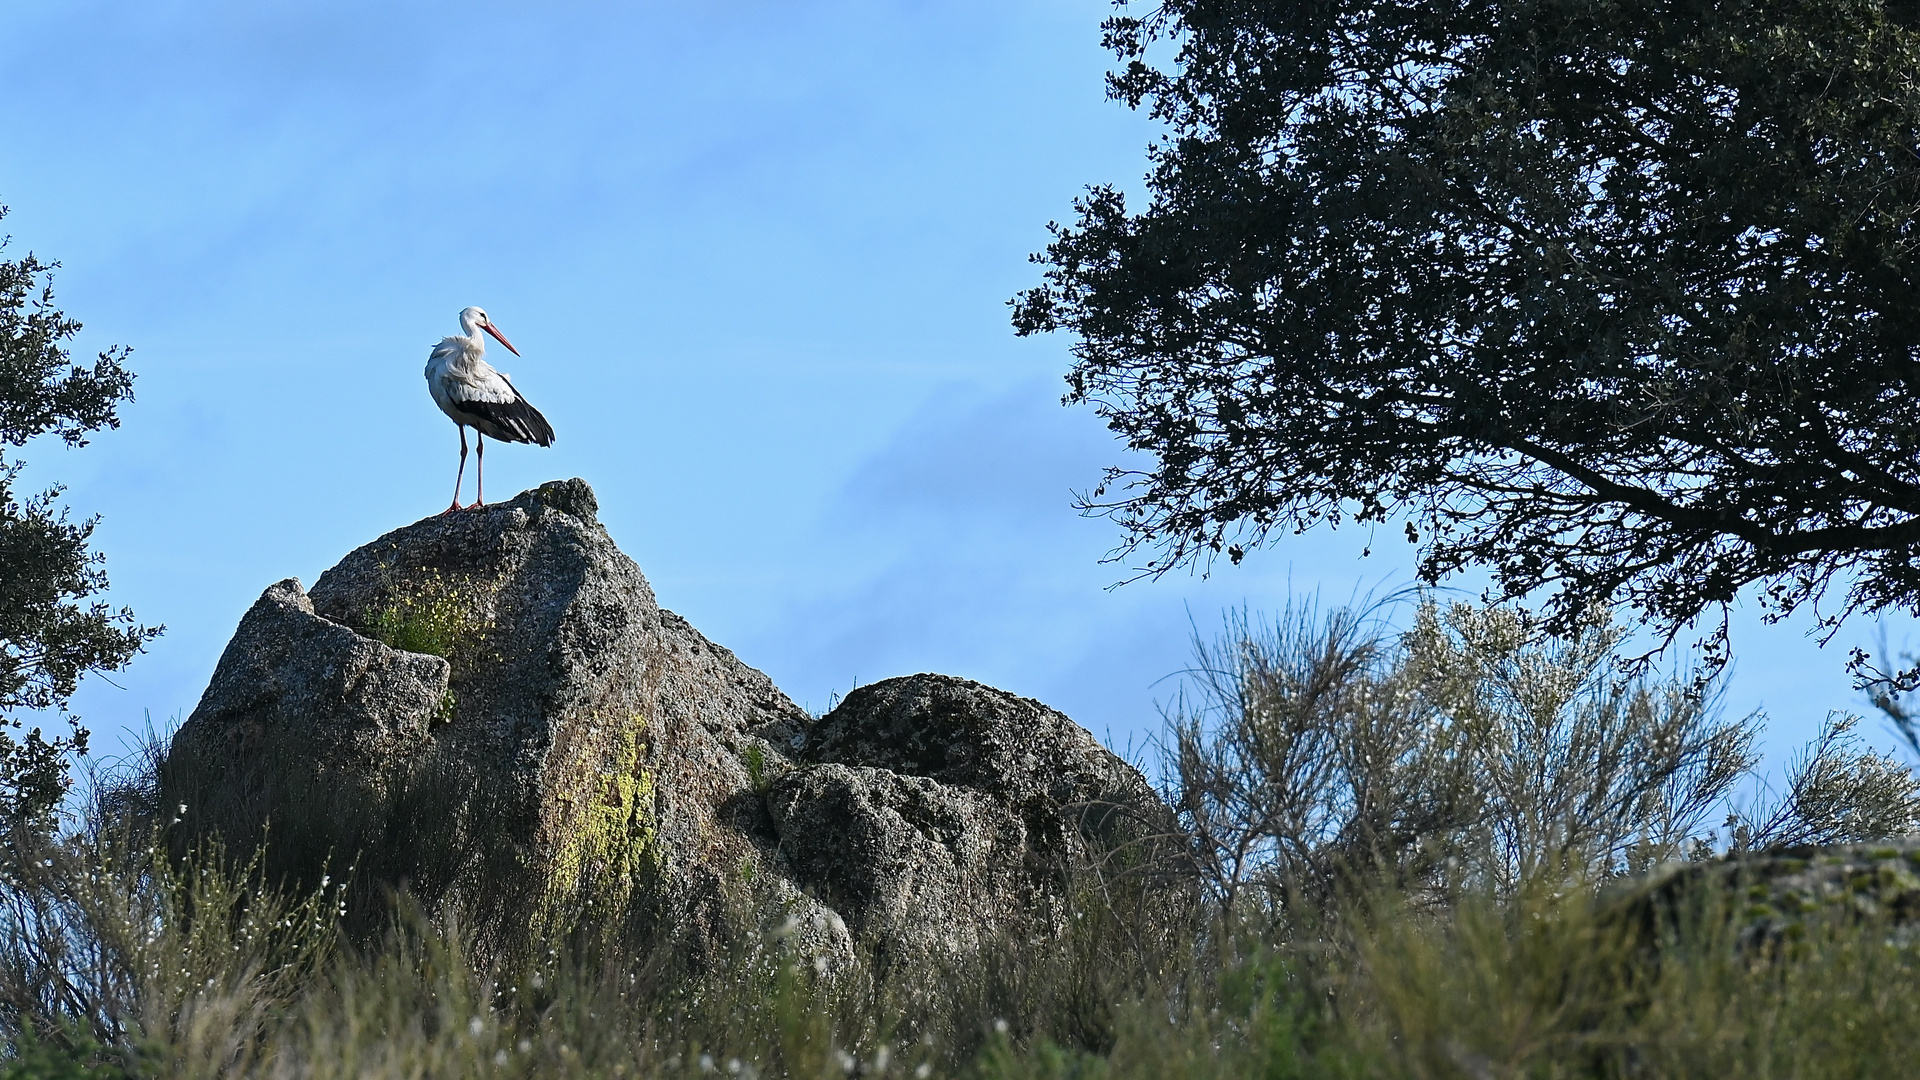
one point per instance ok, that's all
(1616, 298)
(51, 631)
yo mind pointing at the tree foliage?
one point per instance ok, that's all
(51, 630)
(1616, 298)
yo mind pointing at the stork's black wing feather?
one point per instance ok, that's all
(508, 421)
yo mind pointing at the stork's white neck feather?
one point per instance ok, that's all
(473, 345)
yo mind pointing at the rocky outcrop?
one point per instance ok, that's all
(491, 709)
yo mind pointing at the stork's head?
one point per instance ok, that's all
(473, 318)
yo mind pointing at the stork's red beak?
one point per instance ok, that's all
(488, 327)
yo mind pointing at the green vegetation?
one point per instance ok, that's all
(1383, 895)
(52, 631)
(431, 613)
(757, 767)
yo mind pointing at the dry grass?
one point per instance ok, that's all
(201, 972)
(1474, 937)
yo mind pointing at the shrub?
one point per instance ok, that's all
(1322, 752)
(1466, 751)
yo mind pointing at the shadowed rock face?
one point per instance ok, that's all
(890, 849)
(574, 753)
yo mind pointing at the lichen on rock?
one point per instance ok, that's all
(605, 842)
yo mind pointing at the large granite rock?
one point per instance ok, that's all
(491, 709)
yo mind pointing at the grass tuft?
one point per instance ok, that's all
(433, 614)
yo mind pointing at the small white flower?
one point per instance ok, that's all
(820, 965)
(499, 1057)
(523, 1046)
(923, 1070)
(733, 1066)
(475, 1026)
(999, 1026)
(881, 1057)
(706, 1062)
(847, 1062)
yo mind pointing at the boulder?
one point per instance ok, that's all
(346, 696)
(915, 864)
(1777, 895)
(491, 710)
(934, 793)
(293, 687)
(1022, 753)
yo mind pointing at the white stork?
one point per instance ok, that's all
(478, 397)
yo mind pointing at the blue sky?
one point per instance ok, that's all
(756, 256)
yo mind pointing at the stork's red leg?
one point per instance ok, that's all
(462, 474)
(479, 468)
